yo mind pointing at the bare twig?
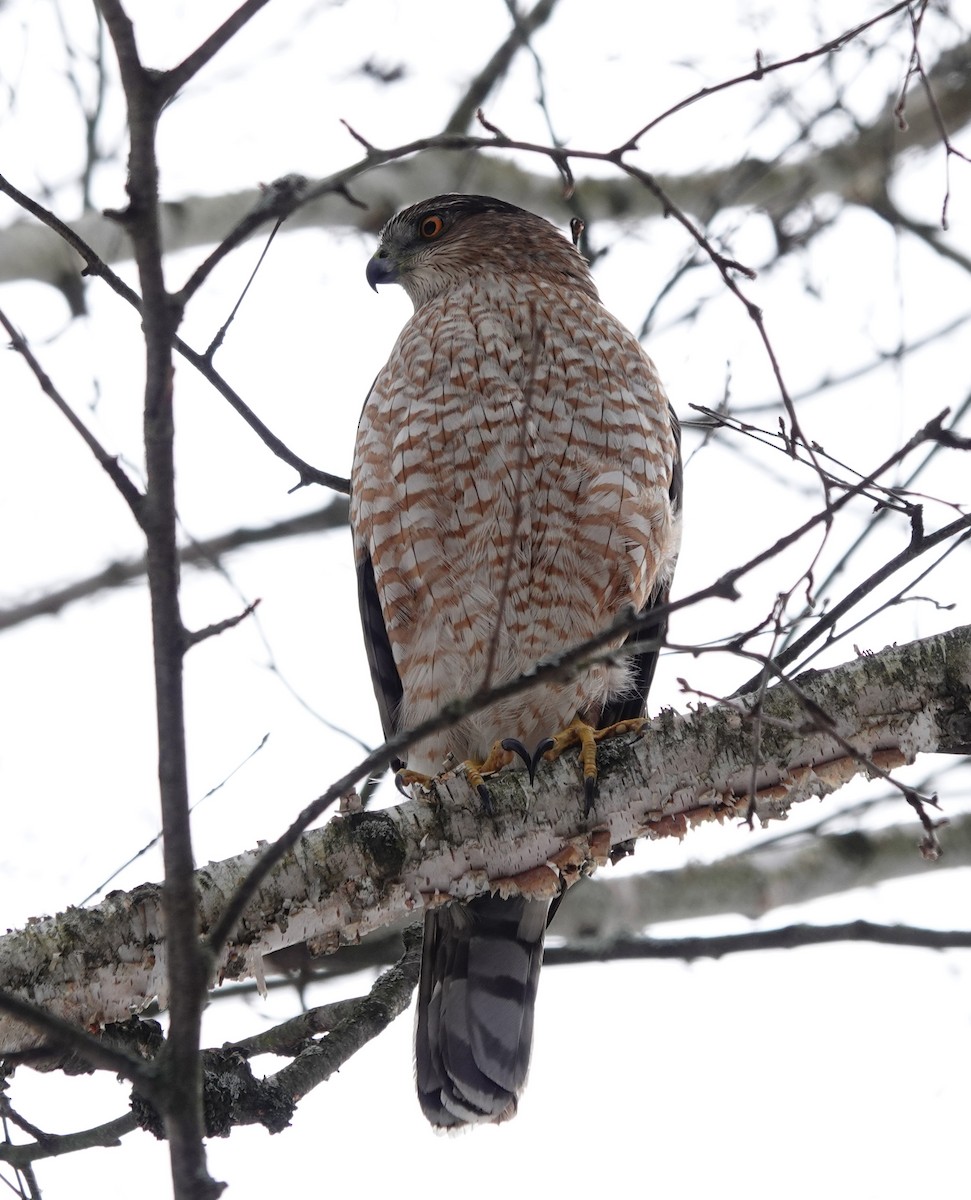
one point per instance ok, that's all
(53, 1145)
(955, 530)
(158, 837)
(524, 25)
(916, 68)
(762, 69)
(130, 494)
(194, 636)
(277, 200)
(179, 76)
(94, 265)
(787, 938)
(203, 553)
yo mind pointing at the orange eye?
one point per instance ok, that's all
(431, 227)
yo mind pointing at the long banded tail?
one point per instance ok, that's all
(479, 972)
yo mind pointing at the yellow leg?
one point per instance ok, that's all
(494, 761)
(475, 771)
(579, 733)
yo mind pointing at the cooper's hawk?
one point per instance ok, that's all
(515, 488)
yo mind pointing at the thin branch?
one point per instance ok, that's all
(190, 66)
(194, 636)
(234, 1097)
(728, 269)
(917, 68)
(900, 597)
(787, 938)
(839, 379)
(129, 493)
(307, 473)
(762, 69)
(92, 113)
(917, 546)
(389, 997)
(95, 266)
(891, 498)
(158, 837)
(287, 1037)
(277, 200)
(53, 1145)
(848, 168)
(497, 66)
(880, 515)
(203, 554)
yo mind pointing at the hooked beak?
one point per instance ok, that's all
(381, 269)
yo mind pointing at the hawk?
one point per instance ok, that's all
(516, 487)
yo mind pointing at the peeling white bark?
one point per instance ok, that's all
(362, 872)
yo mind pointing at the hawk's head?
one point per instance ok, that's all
(450, 239)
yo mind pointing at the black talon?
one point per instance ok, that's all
(589, 794)
(400, 786)
(546, 744)
(516, 747)
(486, 797)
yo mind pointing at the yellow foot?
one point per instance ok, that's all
(579, 733)
(494, 761)
(404, 778)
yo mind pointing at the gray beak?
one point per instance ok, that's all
(381, 269)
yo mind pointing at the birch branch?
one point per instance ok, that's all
(757, 881)
(363, 871)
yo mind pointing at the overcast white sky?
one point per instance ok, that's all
(840, 1070)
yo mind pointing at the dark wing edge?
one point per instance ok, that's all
(633, 703)
(384, 674)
